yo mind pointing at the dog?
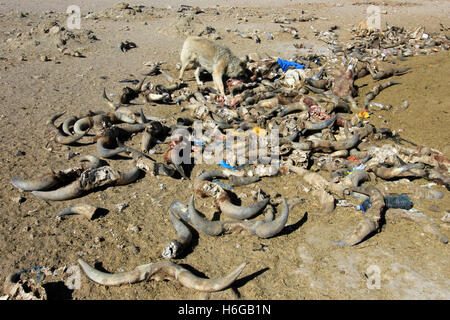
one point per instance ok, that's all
(215, 58)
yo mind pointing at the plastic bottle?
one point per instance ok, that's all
(401, 201)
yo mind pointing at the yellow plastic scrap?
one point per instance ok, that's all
(363, 114)
(260, 131)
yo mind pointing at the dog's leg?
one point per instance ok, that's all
(217, 74)
(197, 76)
(218, 82)
(184, 64)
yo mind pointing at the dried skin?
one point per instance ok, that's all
(390, 71)
(397, 172)
(19, 289)
(326, 200)
(343, 82)
(317, 181)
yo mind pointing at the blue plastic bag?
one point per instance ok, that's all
(284, 64)
(226, 165)
(401, 201)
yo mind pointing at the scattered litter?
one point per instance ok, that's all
(395, 202)
(285, 64)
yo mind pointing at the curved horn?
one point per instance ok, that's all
(67, 124)
(180, 170)
(128, 177)
(370, 222)
(363, 229)
(93, 160)
(70, 191)
(133, 127)
(60, 137)
(104, 152)
(68, 139)
(43, 183)
(82, 125)
(236, 181)
(181, 210)
(357, 177)
(326, 145)
(83, 209)
(212, 228)
(293, 107)
(208, 175)
(272, 228)
(189, 280)
(237, 212)
(320, 125)
(302, 145)
(146, 140)
(168, 270)
(396, 172)
(175, 247)
(108, 101)
(141, 273)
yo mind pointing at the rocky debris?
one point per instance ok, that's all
(190, 25)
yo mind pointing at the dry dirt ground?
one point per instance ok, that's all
(297, 264)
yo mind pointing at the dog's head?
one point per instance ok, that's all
(238, 68)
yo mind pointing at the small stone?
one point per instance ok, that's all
(98, 239)
(70, 155)
(133, 249)
(133, 228)
(19, 153)
(54, 30)
(19, 199)
(446, 218)
(44, 58)
(122, 206)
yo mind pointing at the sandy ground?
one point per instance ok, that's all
(299, 263)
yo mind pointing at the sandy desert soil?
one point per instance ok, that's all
(297, 264)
